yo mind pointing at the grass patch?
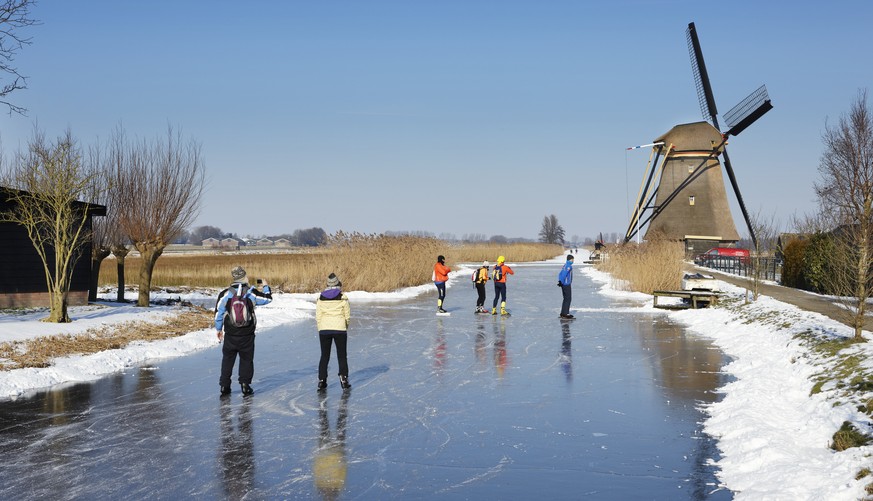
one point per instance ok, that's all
(40, 352)
(375, 263)
(847, 437)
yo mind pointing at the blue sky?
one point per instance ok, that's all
(451, 117)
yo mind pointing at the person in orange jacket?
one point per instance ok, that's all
(499, 277)
(440, 277)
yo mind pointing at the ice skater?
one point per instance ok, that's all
(481, 277)
(499, 277)
(235, 323)
(332, 315)
(565, 282)
(440, 277)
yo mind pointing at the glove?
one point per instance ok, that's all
(560, 284)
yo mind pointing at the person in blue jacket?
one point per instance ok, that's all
(565, 282)
(237, 328)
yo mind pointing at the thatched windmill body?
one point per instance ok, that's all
(683, 194)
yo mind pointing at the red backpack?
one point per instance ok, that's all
(239, 308)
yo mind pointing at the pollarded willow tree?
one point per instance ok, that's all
(845, 195)
(50, 182)
(159, 187)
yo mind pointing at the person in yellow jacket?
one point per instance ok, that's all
(499, 276)
(479, 280)
(440, 277)
(332, 314)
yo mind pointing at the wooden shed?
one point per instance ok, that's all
(22, 276)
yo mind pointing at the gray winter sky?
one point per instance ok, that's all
(449, 117)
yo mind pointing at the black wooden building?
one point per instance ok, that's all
(22, 276)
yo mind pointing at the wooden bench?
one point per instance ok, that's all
(697, 299)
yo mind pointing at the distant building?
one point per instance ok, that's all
(265, 242)
(22, 275)
(211, 242)
(229, 243)
(283, 242)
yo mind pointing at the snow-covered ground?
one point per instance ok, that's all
(773, 434)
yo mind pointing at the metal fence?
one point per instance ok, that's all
(771, 268)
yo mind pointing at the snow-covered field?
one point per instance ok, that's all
(773, 434)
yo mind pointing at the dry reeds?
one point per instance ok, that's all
(515, 252)
(39, 352)
(647, 267)
(374, 263)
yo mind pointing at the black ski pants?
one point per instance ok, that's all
(244, 346)
(480, 288)
(340, 338)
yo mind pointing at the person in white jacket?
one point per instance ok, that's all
(332, 316)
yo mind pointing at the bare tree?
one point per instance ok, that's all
(14, 15)
(767, 232)
(52, 182)
(161, 187)
(845, 195)
(551, 232)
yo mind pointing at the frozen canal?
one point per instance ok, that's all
(460, 407)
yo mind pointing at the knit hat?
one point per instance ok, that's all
(238, 274)
(441, 259)
(485, 264)
(333, 281)
(569, 257)
(501, 259)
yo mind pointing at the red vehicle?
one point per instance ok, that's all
(716, 253)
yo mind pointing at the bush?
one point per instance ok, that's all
(792, 264)
(817, 259)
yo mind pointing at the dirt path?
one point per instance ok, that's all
(802, 299)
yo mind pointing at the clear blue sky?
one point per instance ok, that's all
(451, 116)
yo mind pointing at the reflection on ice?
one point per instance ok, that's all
(461, 407)
(329, 467)
(237, 452)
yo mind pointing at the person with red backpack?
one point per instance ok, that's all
(235, 323)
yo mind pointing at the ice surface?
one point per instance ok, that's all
(461, 407)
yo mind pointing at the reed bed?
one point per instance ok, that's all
(647, 267)
(515, 252)
(374, 263)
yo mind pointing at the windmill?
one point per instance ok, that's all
(686, 165)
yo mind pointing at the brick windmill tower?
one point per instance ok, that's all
(687, 200)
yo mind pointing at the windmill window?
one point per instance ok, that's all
(691, 168)
(691, 200)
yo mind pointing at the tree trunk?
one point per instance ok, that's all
(97, 257)
(120, 253)
(861, 290)
(58, 312)
(149, 256)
